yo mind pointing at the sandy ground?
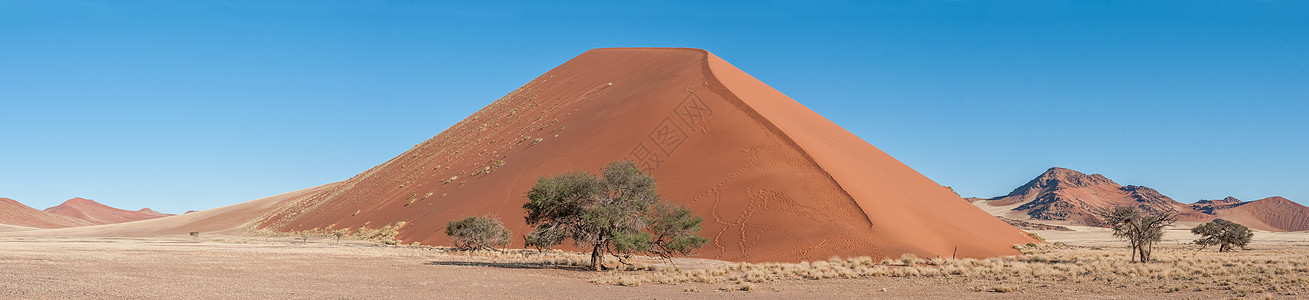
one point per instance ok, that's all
(6, 228)
(237, 267)
(256, 267)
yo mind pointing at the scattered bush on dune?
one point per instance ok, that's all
(386, 234)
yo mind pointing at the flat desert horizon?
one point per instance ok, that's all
(248, 266)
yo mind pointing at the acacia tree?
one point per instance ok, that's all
(478, 233)
(615, 213)
(1226, 234)
(1141, 229)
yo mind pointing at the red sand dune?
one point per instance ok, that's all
(774, 180)
(1067, 195)
(97, 213)
(17, 214)
(231, 219)
(1271, 214)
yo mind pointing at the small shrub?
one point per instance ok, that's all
(478, 233)
(1038, 238)
(909, 259)
(338, 234)
(1003, 289)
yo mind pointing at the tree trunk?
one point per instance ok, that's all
(1145, 251)
(1139, 252)
(1135, 249)
(595, 258)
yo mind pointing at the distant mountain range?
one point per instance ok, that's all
(1062, 194)
(72, 213)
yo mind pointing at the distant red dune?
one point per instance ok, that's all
(17, 214)
(1271, 214)
(96, 213)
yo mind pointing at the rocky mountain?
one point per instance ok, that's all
(1061, 194)
(1068, 195)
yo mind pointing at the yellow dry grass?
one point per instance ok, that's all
(1278, 270)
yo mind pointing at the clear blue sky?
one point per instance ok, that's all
(179, 105)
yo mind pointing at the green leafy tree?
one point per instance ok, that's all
(478, 233)
(1226, 234)
(615, 213)
(1141, 229)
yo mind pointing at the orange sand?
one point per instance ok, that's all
(774, 180)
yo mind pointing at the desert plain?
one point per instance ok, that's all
(1084, 264)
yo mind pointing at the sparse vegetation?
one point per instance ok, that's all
(383, 235)
(195, 234)
(1141, 229)
(1226, 234)
(338, 234)
(951, 190)
(478, 233)
(1036, 237)
(1283, 272)
(616, 213)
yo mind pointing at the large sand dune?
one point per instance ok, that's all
(774, 180)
